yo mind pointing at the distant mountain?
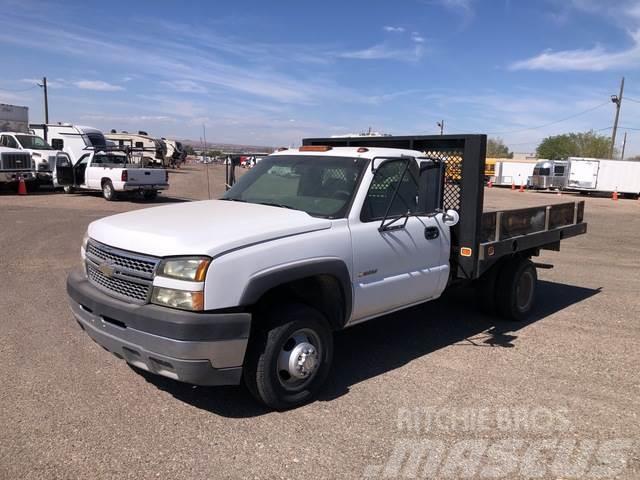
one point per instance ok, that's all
(228, 147)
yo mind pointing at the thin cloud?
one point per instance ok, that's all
(385, 52)
(596, 59)
(392, 29)
(97, 85)
(417, 38)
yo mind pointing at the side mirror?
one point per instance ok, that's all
(450, 218)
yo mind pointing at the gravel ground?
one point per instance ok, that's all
(463, 385)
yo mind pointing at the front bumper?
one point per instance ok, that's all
(15, 176)
(197, 348)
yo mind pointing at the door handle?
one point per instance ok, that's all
(431, 233)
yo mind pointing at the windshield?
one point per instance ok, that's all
(95, 140)
(34, 142)
(320, 186)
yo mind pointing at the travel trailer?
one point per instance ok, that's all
(550, 174)
(603, 175)
(14, 118)
(70, 139)
(151, 151)
(175, 153)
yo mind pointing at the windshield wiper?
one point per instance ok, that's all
(276, 205)
(234, 200)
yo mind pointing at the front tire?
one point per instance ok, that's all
(516, 289)
(290, 357)
(108, 192)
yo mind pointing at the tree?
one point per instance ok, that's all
(188, 149)
(497, 149)
(586, 144)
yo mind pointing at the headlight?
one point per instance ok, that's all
(182, 299)
(192, 269)
(85, 240)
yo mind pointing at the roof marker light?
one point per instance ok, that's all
(315, 148)
(363, 149)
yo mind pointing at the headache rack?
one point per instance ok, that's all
(479, 239)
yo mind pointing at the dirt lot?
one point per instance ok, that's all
(437, 375)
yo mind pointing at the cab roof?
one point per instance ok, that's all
(357, 152)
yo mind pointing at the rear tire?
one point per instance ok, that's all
(289, 358)
(150, 194)
(516, 289)
(108, 191)
(68, 189)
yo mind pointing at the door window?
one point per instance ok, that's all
(383, 186)
(9, 141)
(57, 143)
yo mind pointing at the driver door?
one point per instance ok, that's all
(63, 176)
(408, 261)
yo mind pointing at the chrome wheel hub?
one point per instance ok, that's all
(299, 359)
(303, 360)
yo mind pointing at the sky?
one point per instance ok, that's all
(273, 72)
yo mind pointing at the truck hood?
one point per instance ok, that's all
(209, 227)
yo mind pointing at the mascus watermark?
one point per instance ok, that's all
(455, 443)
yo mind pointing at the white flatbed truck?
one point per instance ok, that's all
(250, 288)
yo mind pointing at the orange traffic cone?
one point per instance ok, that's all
(521, 188)
(615, 195)
(22, 187)
(513, 185)
(490, 185)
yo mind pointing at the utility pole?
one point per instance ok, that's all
(441, 125)
(43, 85)
(617, 99)
(624, 144)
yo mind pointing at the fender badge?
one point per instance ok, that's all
(368, 272)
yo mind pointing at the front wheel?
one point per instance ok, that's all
(516, 289)
(108, 192)
(290, 357)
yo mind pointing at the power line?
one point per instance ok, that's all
(632, 99)
(18, 89)
(551, 123)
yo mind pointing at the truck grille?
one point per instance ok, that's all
(15, 161)
(121, 288)
(120, 273)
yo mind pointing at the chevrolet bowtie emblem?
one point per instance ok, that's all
(107, 269)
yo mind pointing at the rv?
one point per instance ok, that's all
(152, 151)
(512, 172)
(175, 153)
(602, 175)
(70, 139)
(550, 174)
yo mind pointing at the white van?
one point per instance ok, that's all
(71, 139)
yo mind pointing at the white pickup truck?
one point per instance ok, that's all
(110, 172)
(251, 287)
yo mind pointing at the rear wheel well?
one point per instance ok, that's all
(104, 180)
(322, 292)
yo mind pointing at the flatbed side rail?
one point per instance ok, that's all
(511, 231)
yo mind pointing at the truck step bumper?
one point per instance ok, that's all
(210, 361)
